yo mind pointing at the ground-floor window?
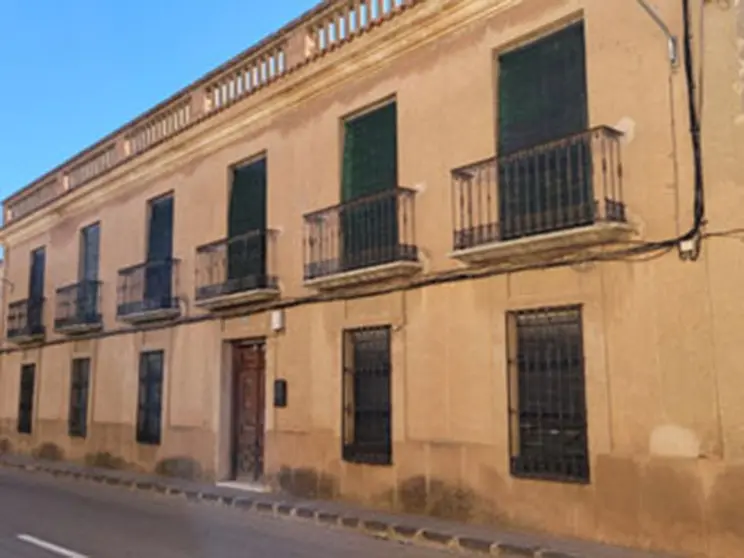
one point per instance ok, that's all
(149, 399)
(367, 435)
(26, 398)
(547, 403)
(79, 382)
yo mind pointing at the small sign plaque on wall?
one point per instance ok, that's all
(280, 393)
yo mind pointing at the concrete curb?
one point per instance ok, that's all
(403, 533)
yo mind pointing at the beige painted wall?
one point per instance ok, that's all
(661, 336)
(445, 96)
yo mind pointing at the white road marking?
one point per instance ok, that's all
(61, 551)
(246, 486)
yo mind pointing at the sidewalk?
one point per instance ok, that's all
(412, 529)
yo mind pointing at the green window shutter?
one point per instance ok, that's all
(543, 98)
(369, 231)
(247, 211)
(89, 252)
(370, 158)
(159, 270)
(246, 253)
(542, 91)
(160, 238)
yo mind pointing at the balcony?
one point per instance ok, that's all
(148, 292)
(78, 308)
(234, 271)
(26, 321)
(367, 239)
(561, 196)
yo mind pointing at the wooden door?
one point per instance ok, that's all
(248, 410)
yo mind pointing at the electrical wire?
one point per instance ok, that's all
(701, 67)
(694, 107)
(640, 252)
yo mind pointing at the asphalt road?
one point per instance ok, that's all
(44, 517)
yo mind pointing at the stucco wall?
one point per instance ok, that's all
(661, 336)
(446, 112)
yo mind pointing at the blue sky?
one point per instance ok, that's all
(72, 71)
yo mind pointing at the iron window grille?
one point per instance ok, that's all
(367, 410)
(547, 401)
(79, 387)
(26, 399)
(149, 400)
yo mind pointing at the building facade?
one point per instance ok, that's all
(424, 255)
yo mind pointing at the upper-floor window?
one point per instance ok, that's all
(88, 286)
(90, 241)
(545, 178)
(371, 233)
(370, 153)
(149, 290)
(36, 274)
(35, 305)
(369, 179)
(159, 268)
(246, 224)
(160, 229)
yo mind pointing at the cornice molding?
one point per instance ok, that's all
(415, 29)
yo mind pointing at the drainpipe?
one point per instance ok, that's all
(672, 41)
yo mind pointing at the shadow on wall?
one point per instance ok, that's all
(416, 495)
(174, 467)
(105, 460)
(6, 446)
(48, 452)
(180, 467)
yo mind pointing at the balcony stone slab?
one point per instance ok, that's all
(364, 275)
(543, 245)
(232, 300)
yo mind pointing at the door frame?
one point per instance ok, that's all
(233, 394)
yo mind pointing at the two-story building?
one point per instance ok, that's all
(462, 257)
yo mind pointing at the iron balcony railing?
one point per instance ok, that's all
(571, 182)
(365, 232)
(148, 287)
(26, 318)
(236, 264)
(78, 305)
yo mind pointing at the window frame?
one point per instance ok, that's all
(500, 61)
(346, 124)
(378, 452)
(77, 418)
(544, 164)
(89, 250)
(25, 422)
(150, 412)
(369, 213)
(153, 205)
(572, 466)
